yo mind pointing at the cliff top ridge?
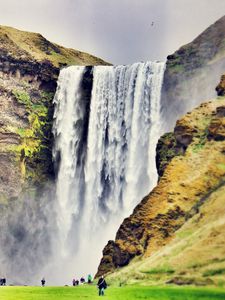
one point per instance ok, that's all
(33, 46)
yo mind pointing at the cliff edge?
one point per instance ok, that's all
(193, 72)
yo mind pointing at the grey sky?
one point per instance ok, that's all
(118, 31)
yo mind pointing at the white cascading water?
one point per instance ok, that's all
(67, 115)
(100, 185)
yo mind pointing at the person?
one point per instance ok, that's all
(89, 279)
(74, 282)
(82, 280)
(43, 282)
(102, 285)
(4, 281)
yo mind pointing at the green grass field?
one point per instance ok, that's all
(113, 293)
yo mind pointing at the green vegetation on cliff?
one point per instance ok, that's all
(34, 139)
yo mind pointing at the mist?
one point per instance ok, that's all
(28, 226)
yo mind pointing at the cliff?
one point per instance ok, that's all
(182, 219)
(193, 72)
(29, 68)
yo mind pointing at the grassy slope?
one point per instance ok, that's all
(196, 255)
(22, 44)
(123, 293)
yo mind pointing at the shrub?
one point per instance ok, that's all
(214, 272)
(22, 97)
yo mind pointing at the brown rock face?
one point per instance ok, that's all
(217, 126)
(221, 87)
(167, 148)
(195, 169)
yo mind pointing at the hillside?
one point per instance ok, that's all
(182, 219)
(193, 72)
(33, 46)
(195, 255)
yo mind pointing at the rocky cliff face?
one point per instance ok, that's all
(193, 72)
(221, 87)
(191, 162)
(29, 67)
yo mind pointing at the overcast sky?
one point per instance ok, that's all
(119, 31)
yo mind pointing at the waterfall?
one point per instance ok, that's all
(104, 152)
(67, 130)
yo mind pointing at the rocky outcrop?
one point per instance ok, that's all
(221, 87)
(29, 68)
(193, 72)
(195, 168)
(167, 148)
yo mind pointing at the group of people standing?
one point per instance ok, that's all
(102, 285)
(76, 282)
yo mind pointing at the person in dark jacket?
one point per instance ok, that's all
(82, 280)
(43, 282)
(102, 285)
(3, 281)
